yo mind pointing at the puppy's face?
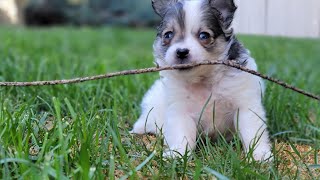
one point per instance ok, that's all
(192, 30)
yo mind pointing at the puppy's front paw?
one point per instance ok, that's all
(171, 154)
(134, 131)
(263, 156)
(263, 153)
(138, 128)
(175, 153)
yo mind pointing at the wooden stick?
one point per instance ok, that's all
(232, 64)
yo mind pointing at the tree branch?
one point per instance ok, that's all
(232, 64)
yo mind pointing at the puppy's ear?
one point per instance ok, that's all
(224, 10)
(161, 6)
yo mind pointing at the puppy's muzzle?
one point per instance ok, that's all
(182, 56)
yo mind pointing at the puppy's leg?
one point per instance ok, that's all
(152, 111)
(249, 121)
(180, 131)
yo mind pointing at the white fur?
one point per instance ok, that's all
(175, 102)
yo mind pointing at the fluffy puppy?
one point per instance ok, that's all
(208, 100)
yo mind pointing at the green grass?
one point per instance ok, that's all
(81, 131)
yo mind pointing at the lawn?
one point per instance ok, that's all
(81, 130)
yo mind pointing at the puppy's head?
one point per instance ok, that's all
(192, 31)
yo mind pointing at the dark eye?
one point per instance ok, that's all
(204, 36)
(168, 35)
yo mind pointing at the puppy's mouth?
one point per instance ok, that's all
(185, 68)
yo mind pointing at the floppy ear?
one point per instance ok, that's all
(161, 6)
(224, 11)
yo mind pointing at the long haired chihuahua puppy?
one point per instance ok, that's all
(210, 100)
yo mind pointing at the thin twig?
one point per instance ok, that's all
(157, 69)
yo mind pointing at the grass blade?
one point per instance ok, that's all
(215, 173)
(140, 166)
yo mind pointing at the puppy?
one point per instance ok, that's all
(209, 100)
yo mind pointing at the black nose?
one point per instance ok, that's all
(182, 53)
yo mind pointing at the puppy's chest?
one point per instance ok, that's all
(207, 102)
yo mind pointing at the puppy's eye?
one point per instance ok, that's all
(205, 38)
(167, 37)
